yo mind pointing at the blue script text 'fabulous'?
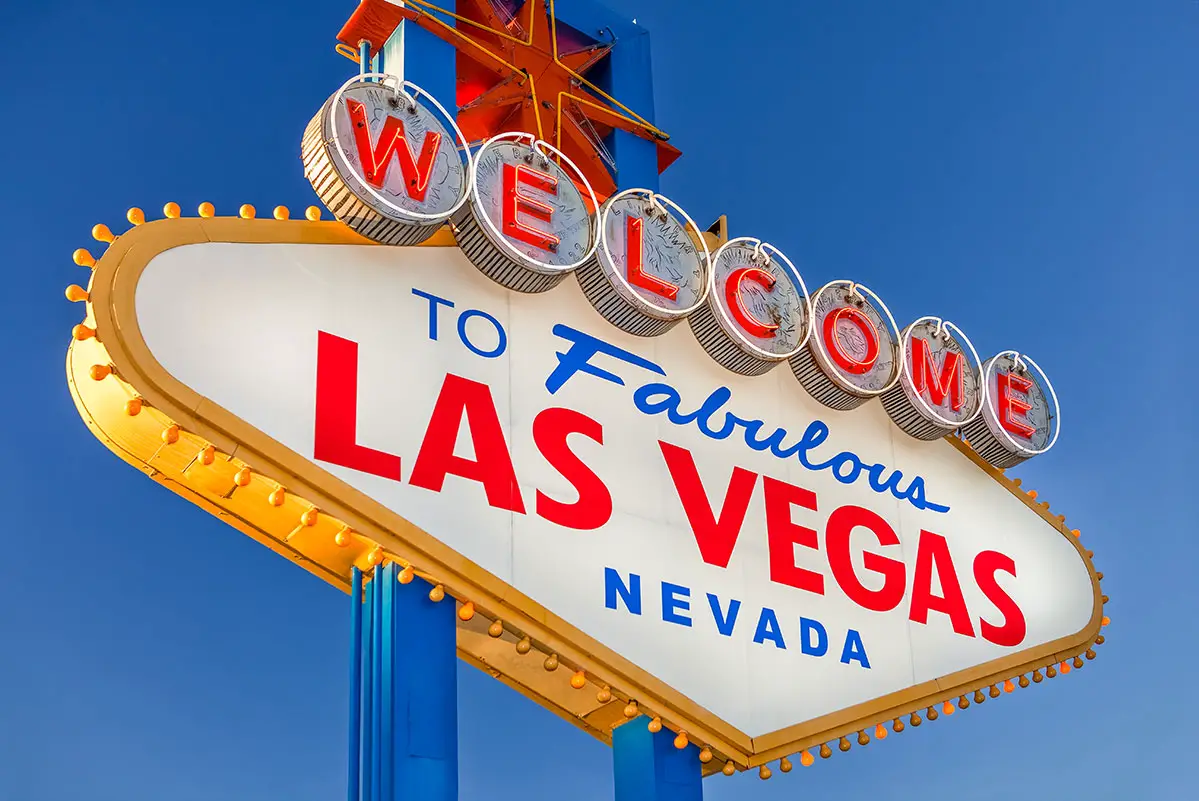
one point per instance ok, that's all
(661, 398)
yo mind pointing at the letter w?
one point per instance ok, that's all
(376, 158)
(715, 537)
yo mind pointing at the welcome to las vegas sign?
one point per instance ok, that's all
(662, 474)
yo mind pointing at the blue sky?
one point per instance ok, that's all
(1028, 169)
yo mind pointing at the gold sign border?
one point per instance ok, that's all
(219, 462)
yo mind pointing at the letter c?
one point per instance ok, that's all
(762, 329)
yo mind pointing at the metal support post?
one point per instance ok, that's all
(364, 57)
(404, 701)
(376, 697)
(648, 767)
(354, 773)
(425, 751)
(430, 62)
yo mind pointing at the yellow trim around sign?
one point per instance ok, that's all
(164, 428)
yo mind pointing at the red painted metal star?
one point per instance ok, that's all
(519, 69)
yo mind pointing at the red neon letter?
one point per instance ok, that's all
(841, 524)
(832, 340)
(1012, 632)
(515, 203)
(1011, 410)
(782, 535)
(594, 506)
(492, 465)
(933, 552)
(376, 159)
(637, 277)
(763, 329)
(715, 538)
(335, 438)
(925, 377)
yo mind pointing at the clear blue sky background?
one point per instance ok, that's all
(1027, 168)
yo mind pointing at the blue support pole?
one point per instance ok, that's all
(355, 685)
(627, 75)
(368, 725)
(404, 697)
(432, 63)
(425, 747)
(648, 767)
(377, 689)
(636, 158)
(386, 703)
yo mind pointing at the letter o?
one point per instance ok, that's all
(832, 340)
(501, 335)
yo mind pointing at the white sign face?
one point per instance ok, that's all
(769, 559)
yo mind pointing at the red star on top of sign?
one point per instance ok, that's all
(520, 69)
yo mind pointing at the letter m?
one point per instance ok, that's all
(925, 378)
(375, 157)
